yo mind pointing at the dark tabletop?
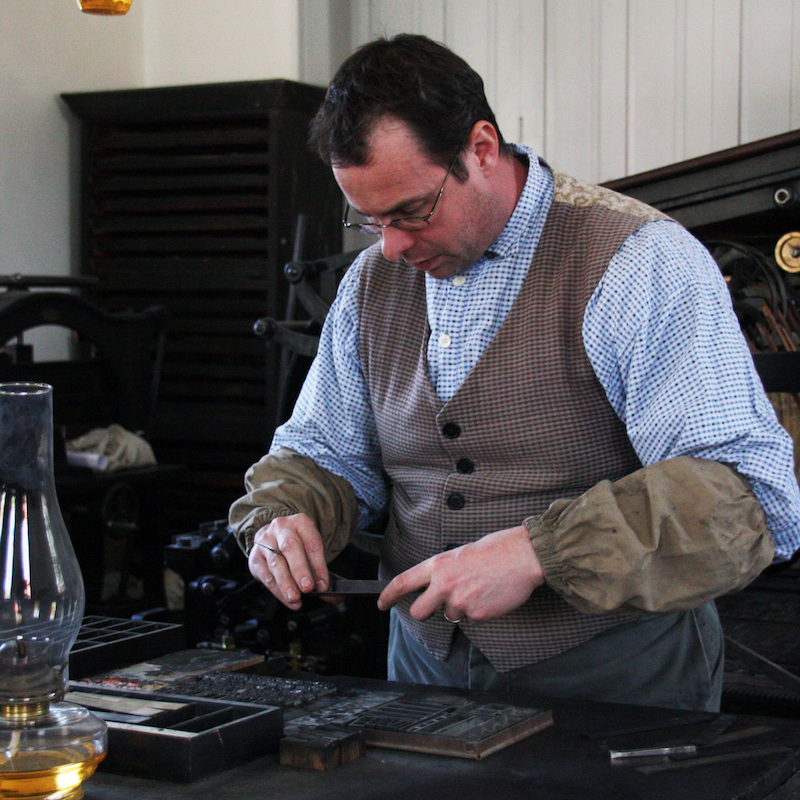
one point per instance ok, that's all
(569, 759)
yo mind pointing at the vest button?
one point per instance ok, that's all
(465, 466)
(451, 430)
(455, 501)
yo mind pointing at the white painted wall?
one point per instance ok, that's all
(49, 47)
(602, 88)
(211, 41)
(607, 88)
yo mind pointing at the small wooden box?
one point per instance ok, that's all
(321, 748)
(171, 737)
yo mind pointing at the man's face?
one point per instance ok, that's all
(400, 181)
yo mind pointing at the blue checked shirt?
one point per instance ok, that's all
(660, 333)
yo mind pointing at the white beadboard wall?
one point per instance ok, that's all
(608, 88)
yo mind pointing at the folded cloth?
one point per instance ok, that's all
(107, 449)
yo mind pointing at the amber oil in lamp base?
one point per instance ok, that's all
(110, 8)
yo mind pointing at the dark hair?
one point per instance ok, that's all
(410, 77)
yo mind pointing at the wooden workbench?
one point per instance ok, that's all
(567, 760)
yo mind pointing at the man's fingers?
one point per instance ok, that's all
(265, 565)
(288, 558)
(314, 553)
(280, 580)
(412, 580)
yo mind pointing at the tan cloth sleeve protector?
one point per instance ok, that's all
(667, 537)
(285, 483)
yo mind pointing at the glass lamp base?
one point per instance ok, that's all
(49, 757)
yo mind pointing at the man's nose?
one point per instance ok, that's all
(394, 242)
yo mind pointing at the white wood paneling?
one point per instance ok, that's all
(698, 78)
(532, 83)
(654, 115)
(726, 65)
(571, 99)
(612, 146)
(794, 67)
(518, 92)
(471, 32)
(768, 83)
(387, 18)
(606, 88)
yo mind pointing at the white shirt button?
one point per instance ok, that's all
(444, 340)
(459, 280)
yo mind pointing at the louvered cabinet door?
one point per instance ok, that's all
(190, 199)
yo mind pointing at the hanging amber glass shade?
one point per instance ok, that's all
(107, 7)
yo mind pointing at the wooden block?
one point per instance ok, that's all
(321, 748)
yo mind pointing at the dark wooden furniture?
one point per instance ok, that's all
(190, 198)
(751, 191)
(749, 195)
(114, 518)
(114, 375)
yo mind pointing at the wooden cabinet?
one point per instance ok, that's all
(190, 199)
(749, 193)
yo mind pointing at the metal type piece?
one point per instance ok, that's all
(425, 722)
(650, 752)
(787, 252)
(257, 689)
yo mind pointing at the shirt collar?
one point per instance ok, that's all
(529, 206)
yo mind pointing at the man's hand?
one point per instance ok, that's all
(289, 559)
(478, 581)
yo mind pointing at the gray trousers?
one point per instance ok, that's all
(669, 660)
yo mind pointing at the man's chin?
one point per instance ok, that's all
(437, 267)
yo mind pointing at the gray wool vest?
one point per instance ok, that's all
(530, 424)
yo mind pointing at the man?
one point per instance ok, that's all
(546, 384)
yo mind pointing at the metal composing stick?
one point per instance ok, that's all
(648, 752)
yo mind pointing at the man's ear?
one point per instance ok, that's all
(484, 144)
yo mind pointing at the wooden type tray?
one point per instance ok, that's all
(171, 737)
(426, 721)
(104, 643)
(449, 725)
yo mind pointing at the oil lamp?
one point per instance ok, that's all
(105, 7)
(47, 747)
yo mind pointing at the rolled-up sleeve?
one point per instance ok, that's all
(665, 538)
(665, 343)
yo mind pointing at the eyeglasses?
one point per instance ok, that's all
(402, 223)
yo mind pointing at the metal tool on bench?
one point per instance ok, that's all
(694, 752)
